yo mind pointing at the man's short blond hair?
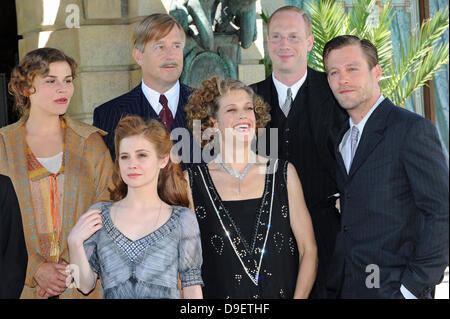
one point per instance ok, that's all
(153, 28)
(305, 16)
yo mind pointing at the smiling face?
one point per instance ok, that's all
(353, 83)
(162, 60)
(289, 43)
(139, 162)
(235, 116)
(52, 93)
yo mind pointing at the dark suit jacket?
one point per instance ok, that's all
(13, 250)
(306, 139)
(395, 208)
(108, 115)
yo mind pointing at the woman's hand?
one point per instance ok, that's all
(192, 292)
(44, 294)
(87, 225)
(51, 279)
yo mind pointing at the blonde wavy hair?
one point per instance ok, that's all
(203, 104)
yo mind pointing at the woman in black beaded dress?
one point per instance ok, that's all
(257, 236)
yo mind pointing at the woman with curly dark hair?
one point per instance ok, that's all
(257, 236)
(58, 166)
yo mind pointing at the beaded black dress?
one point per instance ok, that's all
(249, 250)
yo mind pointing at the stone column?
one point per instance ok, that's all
(251, 70)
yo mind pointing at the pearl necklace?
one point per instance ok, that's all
(234, 173)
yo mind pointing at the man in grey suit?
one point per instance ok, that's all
(393, 181)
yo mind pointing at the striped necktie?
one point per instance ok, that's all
(287, 103)
(165, 115)
(353, 142)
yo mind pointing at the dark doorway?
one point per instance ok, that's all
(9, 56)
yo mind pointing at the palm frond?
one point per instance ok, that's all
(264, 16)
(380, 36)
(360, 13)
(418, 50)
(328, 21)
(435, 59)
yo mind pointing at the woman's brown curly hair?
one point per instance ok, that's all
(35, 63)
(203, 104)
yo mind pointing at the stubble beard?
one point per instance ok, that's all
(352, 104)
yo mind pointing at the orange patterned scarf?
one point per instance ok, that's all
(47, 194)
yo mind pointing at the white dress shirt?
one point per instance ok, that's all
(172, 95)
(282, 88)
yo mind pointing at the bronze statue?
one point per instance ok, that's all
(217, 16)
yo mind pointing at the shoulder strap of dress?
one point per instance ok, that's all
(203, 178)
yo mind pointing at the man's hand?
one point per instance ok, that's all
(41, 292)
(51, 279)
(338, 204)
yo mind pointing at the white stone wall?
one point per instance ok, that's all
(98, 35)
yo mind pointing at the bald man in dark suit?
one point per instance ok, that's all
(307, 118)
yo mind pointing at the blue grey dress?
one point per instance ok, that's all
(149, 266)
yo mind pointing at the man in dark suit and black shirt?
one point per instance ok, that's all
(393, 180)
(307, 117)
(158, 48)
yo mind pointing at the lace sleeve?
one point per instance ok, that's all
(189, 250)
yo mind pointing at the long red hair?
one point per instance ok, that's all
(172, 187)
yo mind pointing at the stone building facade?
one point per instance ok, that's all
(98, 35)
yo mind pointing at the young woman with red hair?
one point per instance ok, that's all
(139, 243)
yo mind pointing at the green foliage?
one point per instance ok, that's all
(328, 21)
(418, 61)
